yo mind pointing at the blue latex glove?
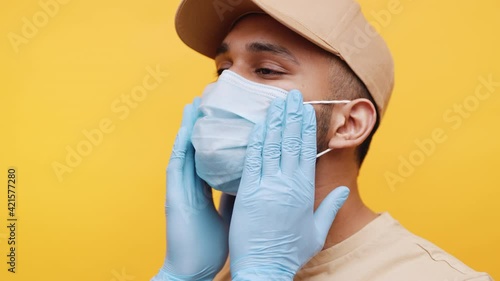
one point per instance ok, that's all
(274, 229)
(197, 237)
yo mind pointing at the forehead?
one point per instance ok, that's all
(261, 27)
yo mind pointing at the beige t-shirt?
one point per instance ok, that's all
(383, 251)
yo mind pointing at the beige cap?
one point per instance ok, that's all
(338, 26)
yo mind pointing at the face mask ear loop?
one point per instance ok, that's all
(323, 153)
(327, 102)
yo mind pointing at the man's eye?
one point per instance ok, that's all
(267, 71)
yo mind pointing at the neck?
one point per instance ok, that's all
(333, 171)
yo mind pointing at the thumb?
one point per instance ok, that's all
(328, 209)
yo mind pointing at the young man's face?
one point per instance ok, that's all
(262, 50)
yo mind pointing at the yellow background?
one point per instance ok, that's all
(105, 219)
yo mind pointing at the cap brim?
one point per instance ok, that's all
(202, 25)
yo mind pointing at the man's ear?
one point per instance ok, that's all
(351, 124)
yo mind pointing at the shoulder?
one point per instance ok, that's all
(418, 257)
(386, 251)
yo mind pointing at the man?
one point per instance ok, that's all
(272, 57)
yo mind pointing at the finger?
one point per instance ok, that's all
(178, 155)
(187, 116)
(253, 160)
(194, 110)
(308, 151)
(196, 103)
(175, 169)
(272, 145)
(292, 133)
(328, 209)
(198, 195)
(176, 164)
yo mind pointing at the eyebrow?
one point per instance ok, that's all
(259, 47)
(222, 49)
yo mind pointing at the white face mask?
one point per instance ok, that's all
(229, 110)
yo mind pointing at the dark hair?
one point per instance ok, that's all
(345, 84)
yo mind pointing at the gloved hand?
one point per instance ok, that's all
(197, 237)
(274, 229)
